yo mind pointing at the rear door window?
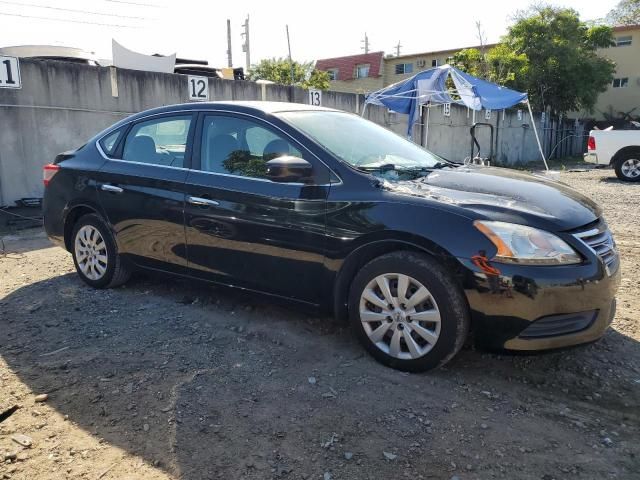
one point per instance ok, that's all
(161, 141)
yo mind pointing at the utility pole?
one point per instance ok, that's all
(229, 58)
(366, 43)
(397, 47)
(246, 48)
(481, 39)
(290, 61)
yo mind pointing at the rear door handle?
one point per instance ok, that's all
(111, 188)
(202, 202)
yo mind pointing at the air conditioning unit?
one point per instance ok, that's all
(421, 63)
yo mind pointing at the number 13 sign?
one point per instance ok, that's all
(10, 73)
(198, 88)
(315, 97)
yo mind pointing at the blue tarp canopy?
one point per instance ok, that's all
(430, 86)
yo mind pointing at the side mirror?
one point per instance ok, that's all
(289, 169)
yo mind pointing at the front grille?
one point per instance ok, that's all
(599, 239)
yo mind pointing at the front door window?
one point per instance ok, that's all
(236, 146)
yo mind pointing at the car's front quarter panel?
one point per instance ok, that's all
(371, 215)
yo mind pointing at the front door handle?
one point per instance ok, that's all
(111, 188)
(202, 202)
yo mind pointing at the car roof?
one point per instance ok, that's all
(255, 107)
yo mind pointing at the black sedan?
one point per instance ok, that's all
(324, 208)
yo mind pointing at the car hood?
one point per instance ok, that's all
(505, 195)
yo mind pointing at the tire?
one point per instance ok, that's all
(443, 313)
(627, 167)
(98, 263)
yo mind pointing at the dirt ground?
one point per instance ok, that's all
(164, 378)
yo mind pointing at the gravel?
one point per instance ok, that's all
(167, 378)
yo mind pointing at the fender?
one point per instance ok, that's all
(623, 151)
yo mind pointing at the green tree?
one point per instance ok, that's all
(500, 64)
(279, 70)
(551, 54)
(627, 12)
(564, 71)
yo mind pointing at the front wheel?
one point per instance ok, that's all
(95, 254)
(408, 312)
(627, 167)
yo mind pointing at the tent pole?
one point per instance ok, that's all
(535, 131)
(426, 134)
(364, 109)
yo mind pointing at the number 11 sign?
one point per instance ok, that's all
(10, 72)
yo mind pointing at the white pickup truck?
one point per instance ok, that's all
(618, 148)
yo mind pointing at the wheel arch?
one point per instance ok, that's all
(631, 149)
(371, 248)
(72, 216)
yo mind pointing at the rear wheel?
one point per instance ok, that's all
(627, 167)
(408, 312)
(95, 254)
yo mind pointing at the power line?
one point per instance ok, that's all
(69, 10)
(67, 20)
(135, 3)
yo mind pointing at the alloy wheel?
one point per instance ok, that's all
(631, 168)
(91, 252)
(400, 316)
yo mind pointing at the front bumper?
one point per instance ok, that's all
(528, 308)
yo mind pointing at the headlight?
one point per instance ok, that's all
(527, 245)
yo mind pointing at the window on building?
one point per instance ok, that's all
(402, 68)
(624, 41)
(362, 71)
(434, 62)
(620, 82)
(333, 74)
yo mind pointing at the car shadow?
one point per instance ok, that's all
(207, 382)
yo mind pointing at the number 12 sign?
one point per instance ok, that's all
(10, 73)
(198, 88)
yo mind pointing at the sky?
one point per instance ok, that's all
(197, 29)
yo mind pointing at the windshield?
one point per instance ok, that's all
(361, 143)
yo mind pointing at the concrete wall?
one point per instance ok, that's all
(61, 105)
(514, 140)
